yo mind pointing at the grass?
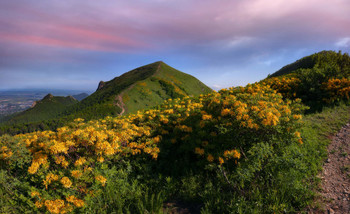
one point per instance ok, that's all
(47, 108)
(317, 132)
(164, 84)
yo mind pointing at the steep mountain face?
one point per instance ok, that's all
(49, 107)
(141, 88)
(323, 60)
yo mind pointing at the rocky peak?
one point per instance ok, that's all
(47, 97)
(101, 85)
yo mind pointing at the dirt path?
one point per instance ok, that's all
(119, 98)
(335, 187)
(120, 103)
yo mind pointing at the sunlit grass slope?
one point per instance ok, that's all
(164, 84)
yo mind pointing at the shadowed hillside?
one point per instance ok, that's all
(49, 107)
(319, 80)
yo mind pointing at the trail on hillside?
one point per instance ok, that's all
(119, 98)
(158, 68)
(120, 103)
(335, 187)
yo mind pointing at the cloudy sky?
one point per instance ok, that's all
(74, 44)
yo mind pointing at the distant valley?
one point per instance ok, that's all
(12, 101)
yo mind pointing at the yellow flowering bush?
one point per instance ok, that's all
(218, 129)
(315, 87)
(286, 85)
(337, 89)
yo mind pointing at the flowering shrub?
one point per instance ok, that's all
(216, 129)
(337, 89)
(287, 86)
(313, 90)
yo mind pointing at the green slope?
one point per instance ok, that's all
(319, 80)
(331, 60)
(165, 83)
(103, 102)
(49, 107)
(138, 89)
(141, 88)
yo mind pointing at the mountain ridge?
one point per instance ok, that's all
(141, 88)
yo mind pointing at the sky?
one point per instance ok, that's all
(74, 44)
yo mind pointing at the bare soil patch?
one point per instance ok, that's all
(335, 186)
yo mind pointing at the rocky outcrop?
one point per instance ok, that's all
(101, 85)
(48, 97)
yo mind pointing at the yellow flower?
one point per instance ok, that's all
(233, 153)
(49, 178)
(80, 161)
(225, 112)
(35, 193)
(101, 179)
(66, 182)
(297, 116)
(156, 139)
(55, 206)
(207, 117)
(199, 151)
(77, 202)
(221, 160)
(62, 160)
(33, 168)
(236, 154)
(300, 141)
(76, 173)
(58, 147)
(210, 158)
(39, 204)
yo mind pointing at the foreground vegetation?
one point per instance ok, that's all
(253, 160)
(242, 150)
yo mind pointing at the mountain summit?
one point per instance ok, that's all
(141, 88)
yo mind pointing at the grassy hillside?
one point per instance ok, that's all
(165, 83)
(320, 80)
(141, 88)
(49, 107)
(322, 60)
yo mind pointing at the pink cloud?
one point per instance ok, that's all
(121, 26)
(65, 43)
